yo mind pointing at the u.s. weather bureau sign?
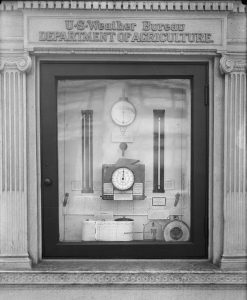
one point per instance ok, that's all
(83, 31)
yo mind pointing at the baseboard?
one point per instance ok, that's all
(234, 263)
(15, 263)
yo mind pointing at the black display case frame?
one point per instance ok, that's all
(50, 73)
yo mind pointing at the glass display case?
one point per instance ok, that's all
(124, 151)
(124, 160)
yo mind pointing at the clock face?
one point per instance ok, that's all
(123, 179)
(123, 113)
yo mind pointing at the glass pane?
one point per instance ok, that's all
(124, 153)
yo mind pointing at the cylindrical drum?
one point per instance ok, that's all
(114, 230)
(125, 230)
(88, 230)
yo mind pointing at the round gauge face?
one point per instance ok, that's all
(176, 231)
(123, 113)
(123, 179)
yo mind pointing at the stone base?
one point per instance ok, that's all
(234, 263)
(15, 263)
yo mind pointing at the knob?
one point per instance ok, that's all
(48, 181)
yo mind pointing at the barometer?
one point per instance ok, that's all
(123, 178)
(123, 112)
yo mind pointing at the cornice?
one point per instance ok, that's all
(122, 51)
(22, 63)
(231, 6)
(230, 64)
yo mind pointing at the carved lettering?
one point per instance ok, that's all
(42, 36)
(123, 37)
(114, 25)
(80, 25)
(69, 24)
(125, 32)
(147, 26)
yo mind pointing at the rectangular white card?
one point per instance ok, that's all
(138, 189)
(159, 201)
(123, 196)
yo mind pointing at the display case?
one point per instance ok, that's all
(129, 175)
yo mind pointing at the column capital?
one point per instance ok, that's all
(21, 62)
(231, 63)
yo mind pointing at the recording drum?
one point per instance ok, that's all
(176, 231)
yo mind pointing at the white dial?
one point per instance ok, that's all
(123, 113)
(123, 178)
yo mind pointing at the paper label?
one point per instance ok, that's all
(123, 197)
(138, 189)
(159, 201)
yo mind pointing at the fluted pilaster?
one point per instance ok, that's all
(13, 162)
(235, 168)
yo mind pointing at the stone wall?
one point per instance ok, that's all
(20, 213)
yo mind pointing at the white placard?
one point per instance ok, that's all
(159, 201)
(138, 189)
(125, 197)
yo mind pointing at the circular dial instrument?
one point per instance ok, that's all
(123, 178)
(176, 231)
(123, 113)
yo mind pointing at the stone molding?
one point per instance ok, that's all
(158, 51)
(22, 63)
(204, 278)
(230, 64)
(235, 6)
